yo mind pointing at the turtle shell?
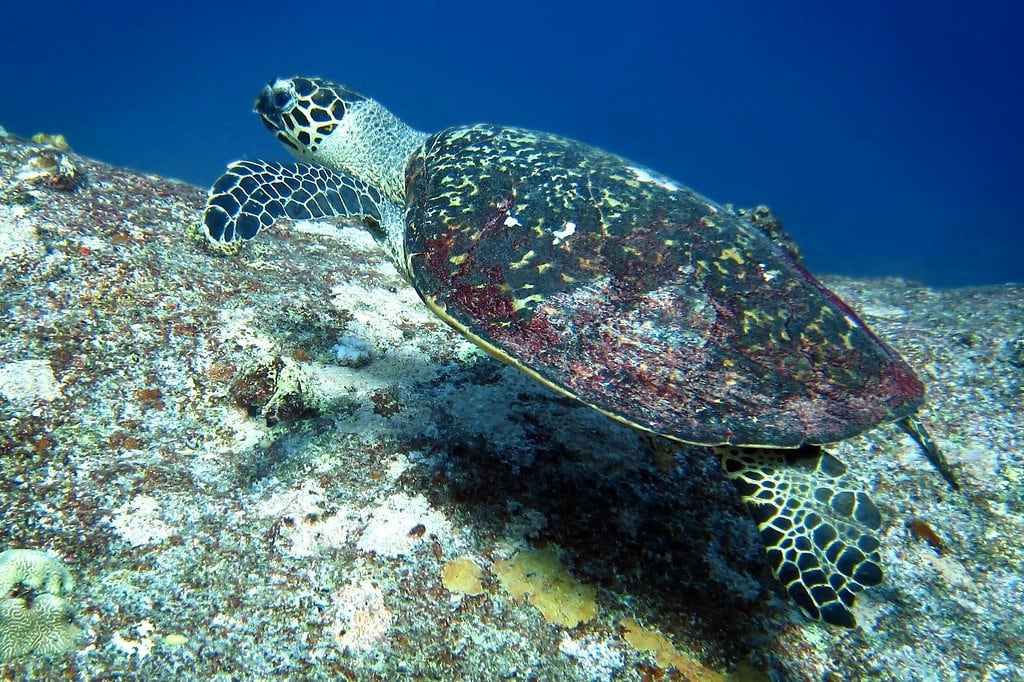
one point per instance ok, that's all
(634, 294)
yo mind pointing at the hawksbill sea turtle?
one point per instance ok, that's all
(619, 287)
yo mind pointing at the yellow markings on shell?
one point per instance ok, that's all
(544, 267)
(731, 254)
(611, 201)
(459, 259)
(749, 317)
(526, 301)
(524, 261)
(459, 190)
(816, 326)
(754, 318)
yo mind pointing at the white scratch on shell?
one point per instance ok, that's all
(643, 176)
(568, 230)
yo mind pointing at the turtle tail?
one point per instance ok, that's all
(916, 429)
(251, 195)
(820, 535)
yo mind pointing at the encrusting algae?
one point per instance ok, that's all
(538, 576)
(462, 576)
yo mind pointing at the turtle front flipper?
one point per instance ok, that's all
(251, 195)
(821, 536)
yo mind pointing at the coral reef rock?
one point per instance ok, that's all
(244, 491)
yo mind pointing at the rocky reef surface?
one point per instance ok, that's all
(276, 464)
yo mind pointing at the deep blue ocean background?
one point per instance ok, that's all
(886, 135)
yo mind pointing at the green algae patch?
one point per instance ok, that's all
(539, 577)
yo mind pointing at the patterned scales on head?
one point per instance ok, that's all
(619, 287)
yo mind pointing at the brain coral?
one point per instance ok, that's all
(34, 614)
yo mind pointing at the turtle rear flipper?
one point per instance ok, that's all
(251, 195)
(821, 536)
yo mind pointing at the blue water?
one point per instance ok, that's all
(886, 135)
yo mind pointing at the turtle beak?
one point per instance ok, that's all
(275, 100)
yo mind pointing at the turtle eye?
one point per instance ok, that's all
(273, 101)
(282, 98)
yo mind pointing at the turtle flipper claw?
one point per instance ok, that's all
(821, 537)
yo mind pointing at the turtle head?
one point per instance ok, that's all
(303, 112)
(332, 125)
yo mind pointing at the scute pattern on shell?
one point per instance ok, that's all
(638, 295)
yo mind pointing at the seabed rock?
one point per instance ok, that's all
(215, 540)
